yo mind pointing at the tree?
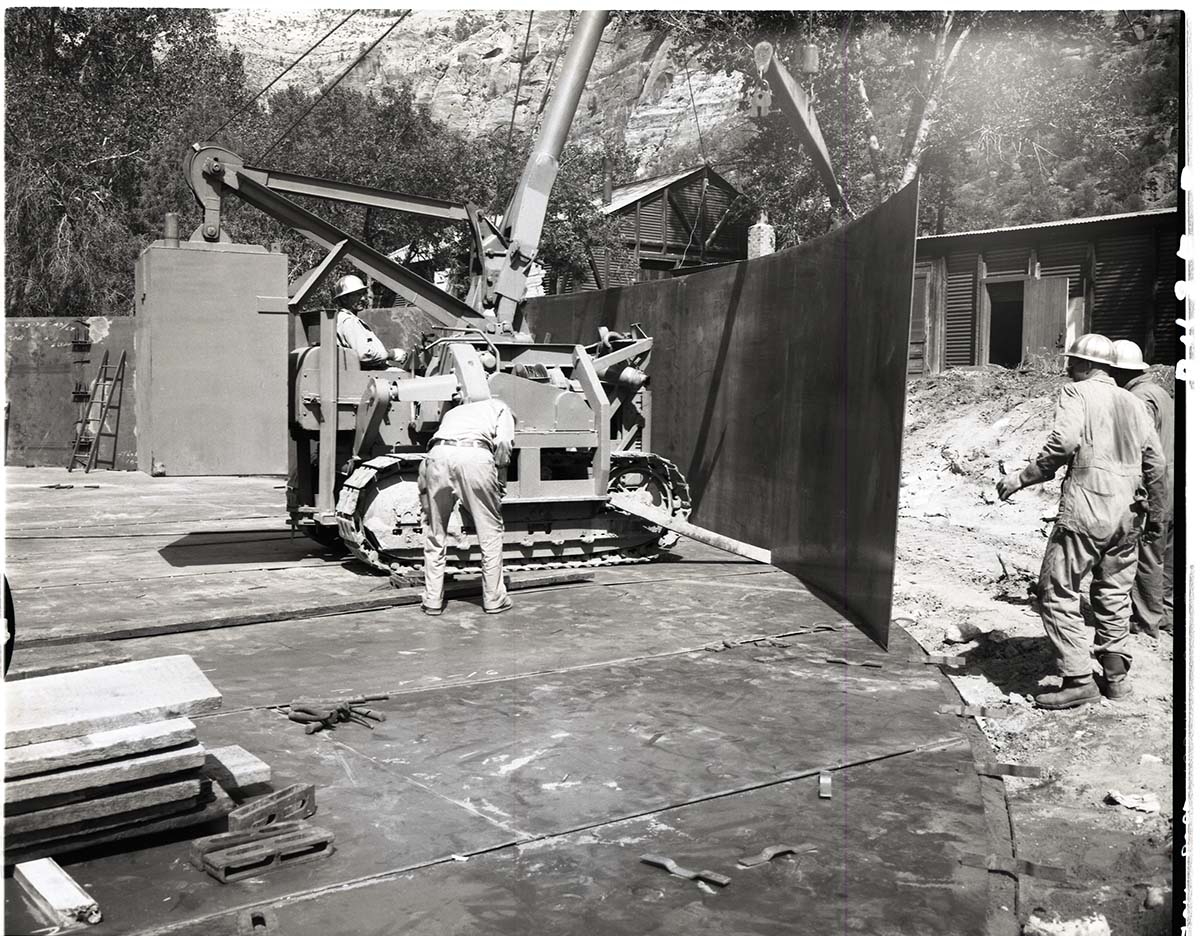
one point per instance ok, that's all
(91, 95)
(1008, 117)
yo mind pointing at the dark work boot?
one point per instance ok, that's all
(1075, 691)
(1116, 675)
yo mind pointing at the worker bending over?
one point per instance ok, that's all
(1104, 436)
(1153, 589)
(355, 334)
(467, 460)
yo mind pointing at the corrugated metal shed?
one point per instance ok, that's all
(670, 222)
(960, 309)
(630, 192)
(1043, 225)
(1119, 272)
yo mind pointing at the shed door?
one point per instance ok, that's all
(1045, 318)
(917, 341)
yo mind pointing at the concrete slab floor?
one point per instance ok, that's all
(893, 876)
(552, 745)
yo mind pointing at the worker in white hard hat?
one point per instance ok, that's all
(1104, 436)
(1153, 589)
(353, 333)
(468, 462)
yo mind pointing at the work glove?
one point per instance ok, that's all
(1009, 485)
(1152, 532)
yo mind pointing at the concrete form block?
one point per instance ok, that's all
(212, 369)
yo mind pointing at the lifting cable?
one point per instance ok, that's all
(703, 156)
(554, 64)
(336, 81)
(303, 55)
(516, 99)
(695, 115)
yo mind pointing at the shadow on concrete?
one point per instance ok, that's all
(243, 547)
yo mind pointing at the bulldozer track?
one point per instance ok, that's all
(371, 472)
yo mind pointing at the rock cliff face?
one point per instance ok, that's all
(465, 66)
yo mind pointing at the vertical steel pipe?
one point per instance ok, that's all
(327, 466)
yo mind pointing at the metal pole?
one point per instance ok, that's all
(327, 464)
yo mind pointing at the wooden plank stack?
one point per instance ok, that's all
(106, 754)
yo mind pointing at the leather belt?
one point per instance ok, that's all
(468, 443)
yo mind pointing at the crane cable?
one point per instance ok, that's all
(303, 55)
(320, 97)
(554, 64)
(516, 100)
(695, 114)
(703, 156)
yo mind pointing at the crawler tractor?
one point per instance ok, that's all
(581, 418)
(582, 413)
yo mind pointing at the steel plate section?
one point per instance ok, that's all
(779, 391)
(564, 750)
(380, 822)
(860, 870)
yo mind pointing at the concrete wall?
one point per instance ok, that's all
(41, 371)
(212, 368)
(778, 388)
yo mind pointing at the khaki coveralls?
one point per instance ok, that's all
(355, 334)
(468, 468)
(1105, 437)
(1154, 591)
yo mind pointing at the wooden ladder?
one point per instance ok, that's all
(104, 401)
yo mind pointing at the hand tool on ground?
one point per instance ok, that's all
(311, 725)
(318, 714)
(352, 700)
(298, 801)
(772, 851)
(668, 864)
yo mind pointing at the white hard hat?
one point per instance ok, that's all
(349, 284)
(1129, 356)
(1094, 348)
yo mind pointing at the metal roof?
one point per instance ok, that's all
(627, 194)
(1155, 212)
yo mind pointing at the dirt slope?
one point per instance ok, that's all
(965, 561)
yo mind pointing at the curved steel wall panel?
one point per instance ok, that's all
(778, 388)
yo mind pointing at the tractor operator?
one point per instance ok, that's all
(1104, 436)
(1153, 589)
(467, 460)
(355, 334)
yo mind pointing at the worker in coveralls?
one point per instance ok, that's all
(355, 334)
(1153, 589)
(1104, 436)
(468, 460)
